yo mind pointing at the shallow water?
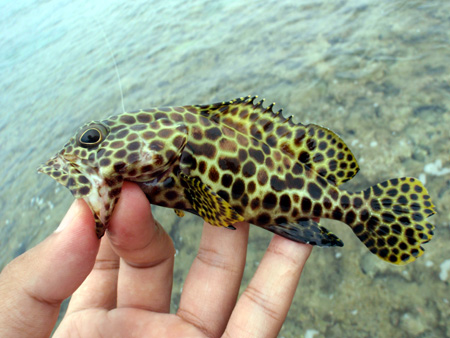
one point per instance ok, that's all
(375, 72)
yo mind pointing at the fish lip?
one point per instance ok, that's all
(60, 165)
(62, 168)
(63, 163)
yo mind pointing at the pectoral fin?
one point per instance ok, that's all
(209, 205)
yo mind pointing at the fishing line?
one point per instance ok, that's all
(114, 60)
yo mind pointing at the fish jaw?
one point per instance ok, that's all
(88, 183)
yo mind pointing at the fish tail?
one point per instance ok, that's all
(391, 219)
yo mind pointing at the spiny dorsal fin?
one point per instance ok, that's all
(316, 147)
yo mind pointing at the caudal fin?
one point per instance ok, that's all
(392, 221)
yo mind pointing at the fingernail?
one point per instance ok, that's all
(70, 215)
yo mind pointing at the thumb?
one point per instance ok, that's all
(34, 284)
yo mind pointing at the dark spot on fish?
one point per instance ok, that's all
(115, 192)
(165, 133)
(104, 162)
(323, 145)
(271, 140)
(191, 118)
(238, 189)
(133, 158)
(244, 203)
(118, 166)
(350, 217)
(204, 149)
(156, 145)
(281, 220)
(255, 203)
(213, 133)
(262, 176)
(358, 228)
(299, 136)
(263, 219)
(306, 205)
(257, 155)
(314, 191)
(285, 203)
(202, 168)
(71, 182)
(228, 145)
(417, 217)
(133, 146)
(269, 201)
(304, 157)
(127, 119)
(345, 202)
(364, 215)
(224, 195)
(277, 184)
(337, 214)
(294, 183)
(84, 190)
(317, 210)
(269, 164)
(213, 174)
(251, 187)
(311, 144)
(249, 169)
(229, 163)
(144, 118)
(171, 195)
(82, 179)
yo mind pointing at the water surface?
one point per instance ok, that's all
(375, 72)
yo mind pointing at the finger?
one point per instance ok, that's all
(99, 290)
(33, 285)
(146, 251)
(212, 285)
(263, 306)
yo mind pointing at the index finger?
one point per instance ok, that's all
(146, 253)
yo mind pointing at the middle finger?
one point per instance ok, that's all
(212, 285)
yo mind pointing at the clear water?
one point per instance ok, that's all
(377, 73)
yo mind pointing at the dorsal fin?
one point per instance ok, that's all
(316, 147)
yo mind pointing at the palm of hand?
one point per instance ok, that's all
(122, 287)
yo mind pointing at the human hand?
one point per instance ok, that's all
(122, 284)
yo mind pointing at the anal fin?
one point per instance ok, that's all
(306, 231)
(208, 204)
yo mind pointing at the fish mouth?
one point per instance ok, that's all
(87, 183)
(57, 168)
(66, 172)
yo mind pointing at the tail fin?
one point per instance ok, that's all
(393, 222)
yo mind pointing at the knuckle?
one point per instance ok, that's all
(262, 301)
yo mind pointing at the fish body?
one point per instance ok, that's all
(238, 161)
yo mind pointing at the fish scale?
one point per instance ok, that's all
(238, 161)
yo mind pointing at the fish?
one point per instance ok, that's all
(236, 161)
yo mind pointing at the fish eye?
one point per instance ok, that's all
(92, 135)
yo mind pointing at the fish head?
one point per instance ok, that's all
(102, 154)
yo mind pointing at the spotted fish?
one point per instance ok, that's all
(238, 161)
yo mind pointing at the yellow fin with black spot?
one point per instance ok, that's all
(312, 145)
(179, 213)
(209, 205)
(393, 222)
